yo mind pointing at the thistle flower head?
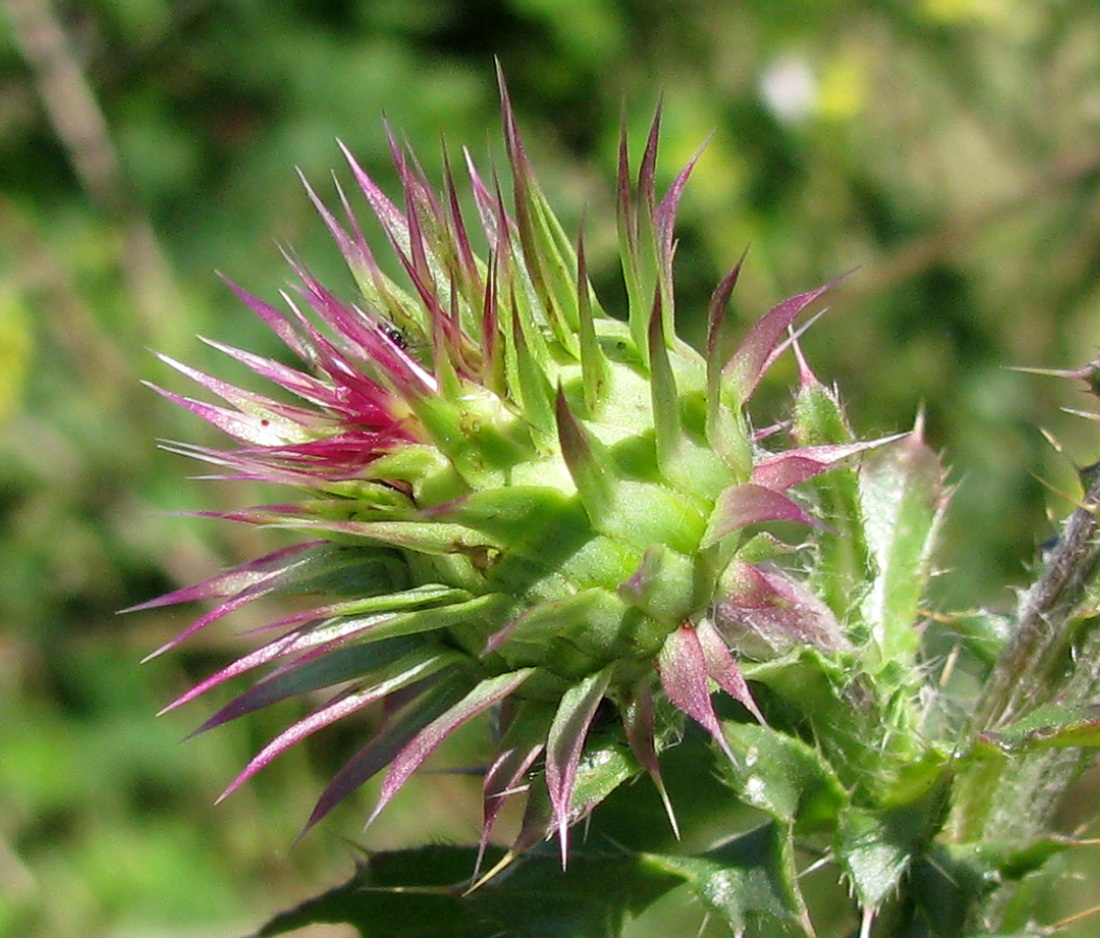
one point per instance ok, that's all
(509, 499)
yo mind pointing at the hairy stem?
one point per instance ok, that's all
(1050, 657)
(1025, 675)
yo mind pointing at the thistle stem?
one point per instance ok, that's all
(1012, 799)
(1024, 676)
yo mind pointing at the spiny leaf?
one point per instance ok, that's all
(904, 495)
(722, 669)
(603, 767)
(663, 394)
(541, 238)
(749, 881)
(332, 634)
(765, 612)
(785, 778)
(875, 846)
(724, 430)
(844, 566)
(640, 727)
(422, 536)
(301, 569)
(531, 357)
(420, 894)
(783, 470)
(233, 582)
(949, 882)
(838, 711)
(594, 364)
(523, 742)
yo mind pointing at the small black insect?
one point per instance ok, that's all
(395, 335)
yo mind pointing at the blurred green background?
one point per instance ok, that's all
(949, 149)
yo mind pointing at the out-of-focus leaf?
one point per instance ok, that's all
(983, 632)
(16, 348)
(1048, 727)
(1032, 888)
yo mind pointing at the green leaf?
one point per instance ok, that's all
(568, 635)
(589, 900)
(1049, 727)
(904, 496)
(782, 776)
(983, 633)
(565, 745)
(634, 815)
(426, 537)
(420, 894)
(604, 766)
(876, 847)
(946, 886)
(947, 883)
(749, 881)
(872, 854)
(827, 700)
(336, 571)
(430, 904)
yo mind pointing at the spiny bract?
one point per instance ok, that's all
(516, 501)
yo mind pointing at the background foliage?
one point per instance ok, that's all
(948, 148)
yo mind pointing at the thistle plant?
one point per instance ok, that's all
(514, 504)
